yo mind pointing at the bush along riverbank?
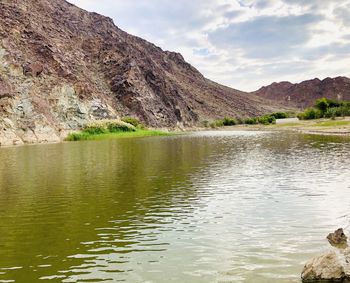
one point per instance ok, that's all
(102, 129)
(326, 108)
(264, 120)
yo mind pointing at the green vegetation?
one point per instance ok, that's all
(310, 113)
(332, 123)
(267, 120)
(280, 115)
(103, 129)
(264, 120)
(229, 121)
(224, 122)
(251, 121)
(133, 121)
(326, 108)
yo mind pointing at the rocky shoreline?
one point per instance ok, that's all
(43, 134)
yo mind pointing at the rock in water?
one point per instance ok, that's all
(333, 266)
(325, 267)
(338, 239)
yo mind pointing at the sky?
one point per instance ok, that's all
(245, 44)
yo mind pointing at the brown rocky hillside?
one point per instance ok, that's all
(305, 94)
(61, 66)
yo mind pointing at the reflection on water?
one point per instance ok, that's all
(207, 207)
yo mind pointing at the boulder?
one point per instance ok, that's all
(338, 239)
(329, 266)
(332, 266)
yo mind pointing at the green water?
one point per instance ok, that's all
(205, 207)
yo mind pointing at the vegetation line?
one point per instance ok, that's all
(264, 120)
(104, 129)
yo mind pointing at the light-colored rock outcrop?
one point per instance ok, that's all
(333, 266)
(330, 266)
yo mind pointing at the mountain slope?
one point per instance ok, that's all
(306, 93)
(61, 66)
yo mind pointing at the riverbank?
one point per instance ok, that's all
(339, 126)
(80, 136)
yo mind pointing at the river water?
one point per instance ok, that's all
(203, 207)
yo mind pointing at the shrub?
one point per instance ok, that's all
(266, 120)
(240, 121)
(229, 121)
(322, 104)
(120, 126)
(334, 103)
(205, 124)
(213, 125)
(105, 126)
(279, 115)
(251, 121)
(133, 121)
(311, 113)
(95, 129)
(332, 112)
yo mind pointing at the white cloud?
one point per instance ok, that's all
(245, 43)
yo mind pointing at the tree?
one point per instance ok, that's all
(322, 104)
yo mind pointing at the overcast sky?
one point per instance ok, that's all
(244, 44)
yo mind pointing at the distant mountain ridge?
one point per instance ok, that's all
(305, 94)
(61, 66)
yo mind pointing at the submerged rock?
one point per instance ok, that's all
(334, 265)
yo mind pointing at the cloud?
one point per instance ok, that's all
(261, 37)
(242, 43)
(343, 14)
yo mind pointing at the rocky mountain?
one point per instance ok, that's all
(61, 66)
(305, 94)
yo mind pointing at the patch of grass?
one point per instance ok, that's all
(83, 136)
(104, 129)
(332, 123)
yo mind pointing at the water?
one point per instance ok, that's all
(205, 207)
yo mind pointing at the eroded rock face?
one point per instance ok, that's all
(34, 69)
(5, 90)
(333, 266)
(61, 67)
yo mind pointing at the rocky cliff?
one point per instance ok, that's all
(61, 66)
(305, 94)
